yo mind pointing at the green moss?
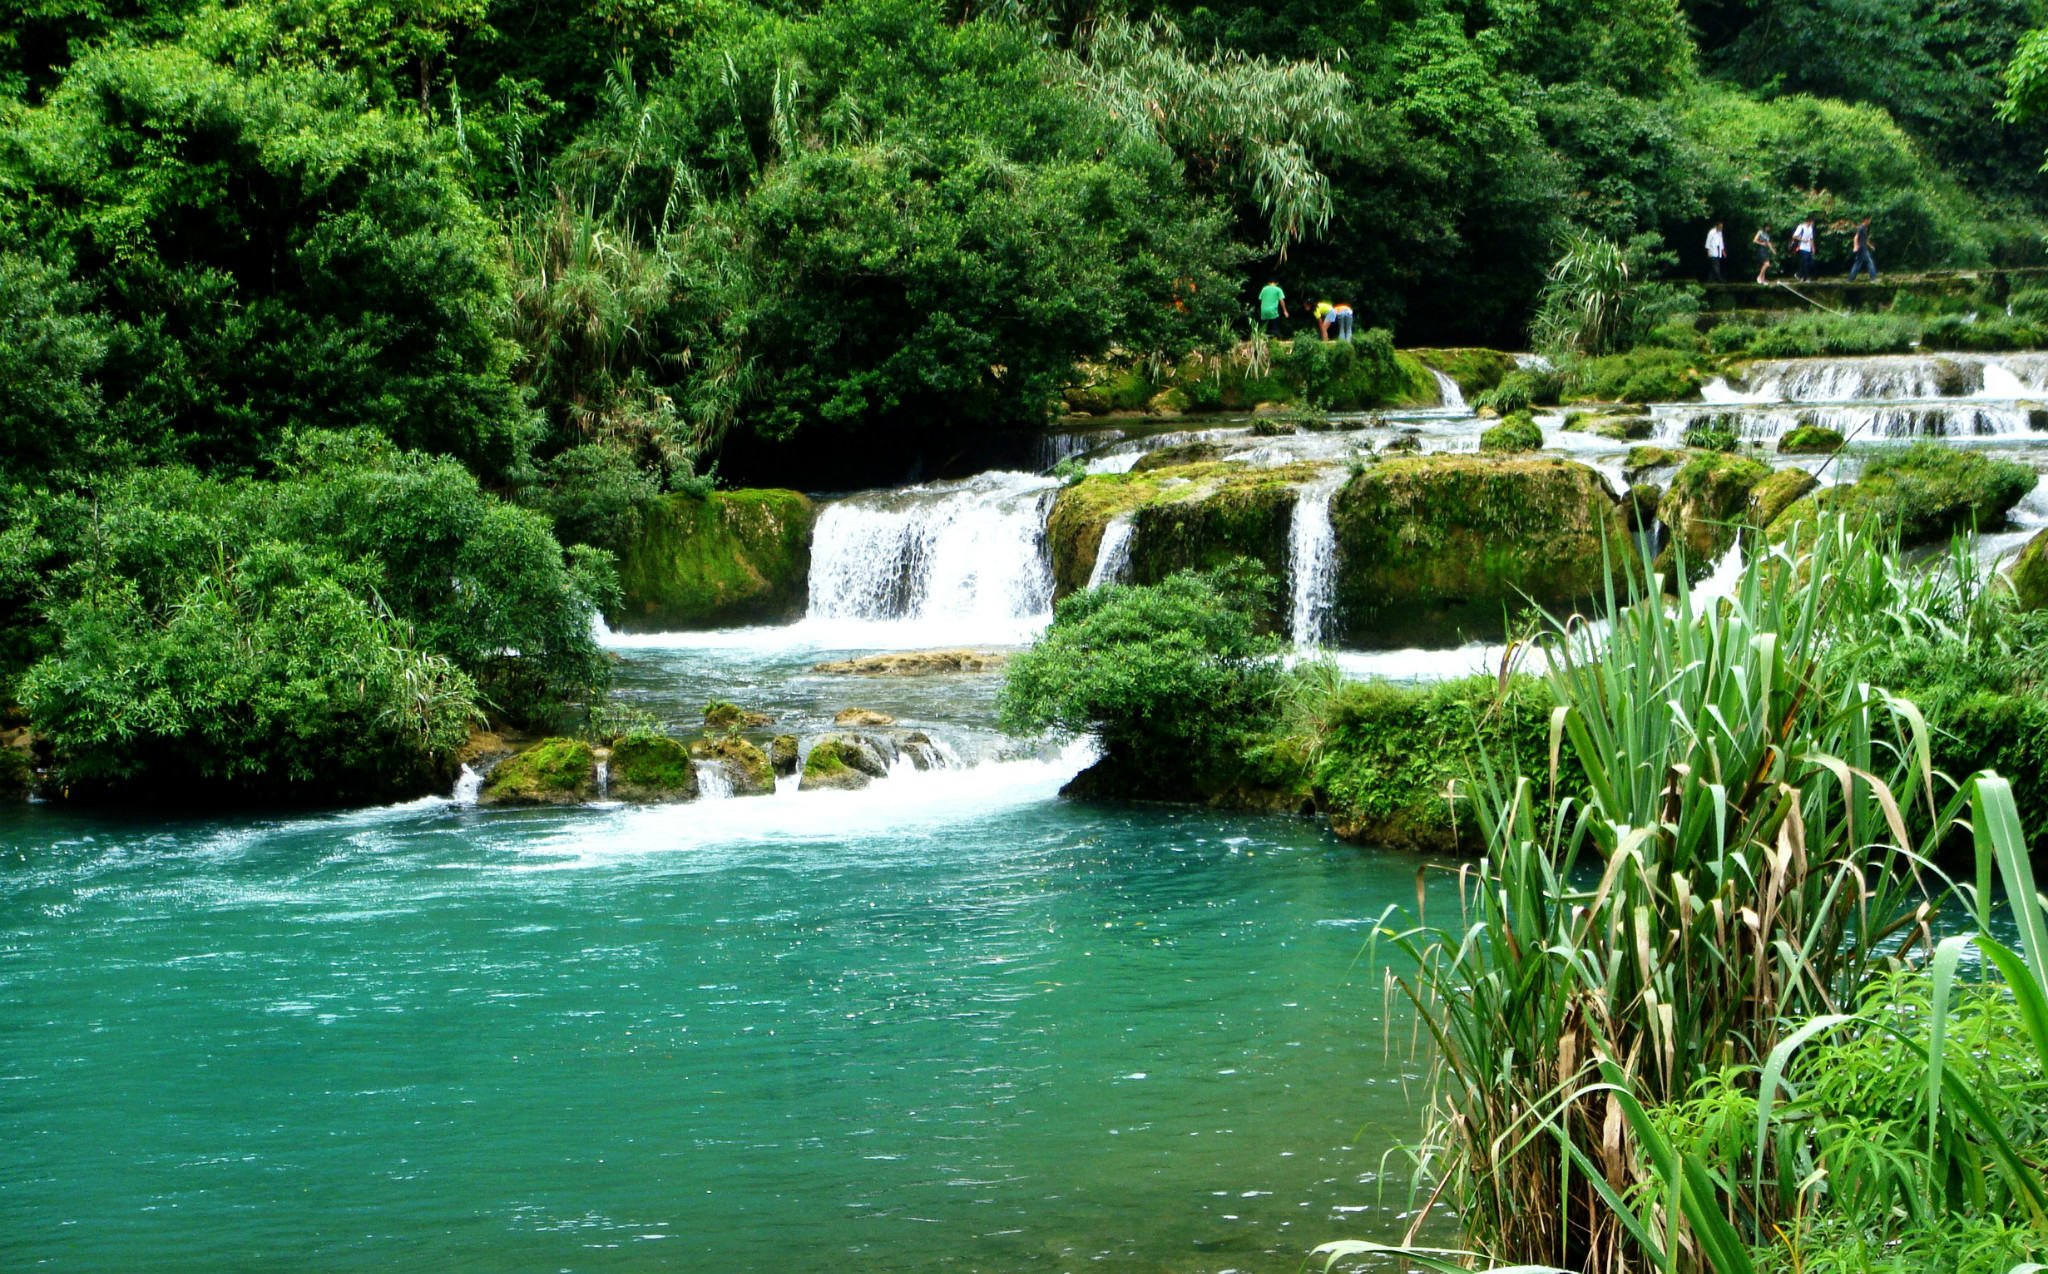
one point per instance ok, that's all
(1645, 374)
(834, 763)
(1393, 752)
(1642, 459)
(1775, 494)
(651, 767)
(551, 772)
(1435, 548)
(1174, 457)
(753, 774)
(1625, 428)
(1922, 492)
(1705, 508)
(825, 760)
(1475, 370)
(733, 557)
(1519, 432)
(721, 715)
(2030, 574)
(1810, 440)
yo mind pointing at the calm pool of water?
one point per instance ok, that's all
(949, 1023)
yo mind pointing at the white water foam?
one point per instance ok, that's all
(713, 783)
(1113, 554)
(972, 550)
(1454, 397)
(1312, 563)
(1721, 582)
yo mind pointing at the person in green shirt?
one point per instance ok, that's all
(1272, 308)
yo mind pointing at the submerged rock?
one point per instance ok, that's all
(651, 767)
(728, 558)
(916, 663)
(784, 755)
(1438, 549)
(862, 716)
(1173, 457)
(551, 772)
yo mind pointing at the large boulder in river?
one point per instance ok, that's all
(2029, 574)
(747, 767)
(1922, 492)
(1432, 549)
(551, 772)
(715, 561)
(784, 754)
(862, 716)
(1705, 507)
(651, 767)
(836, 763)
(1196, 516)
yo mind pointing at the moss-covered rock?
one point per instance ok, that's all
(651, 767)
(1198, 515)
(551, 772)
(916, 663)
(1639, 506)
(1519, 432)
(1777, 493)
(1475, 370)
(1810, 440)
(1705, 508)
(721, 715)
(749, 768)
(1642, 460)
(1433, 548)
(2029, 574)
(784, 755)
(834, 765)
(1922, 492)
(1630, 428)
(732, 557)
(1173, 457)
(17, 775)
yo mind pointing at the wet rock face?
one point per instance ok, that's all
(722, 560)
(746, 766)
(551, 772)
(1437, 549)
(2030, 574)
(1705, 508)
(784, 754)
(17, 775)
(862, 716)
(648, 767)
(835, 764)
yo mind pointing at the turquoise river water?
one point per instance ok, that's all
(949, 1023)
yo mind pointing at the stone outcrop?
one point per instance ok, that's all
(1922, 493)
(784, 755)
(747, 766)
(551, 772)
(650, 767)
(915, 663)
(720, 715)
(1432, 549)
(862, 716)
(716, 561)
(2029, 574)
(1705, 508)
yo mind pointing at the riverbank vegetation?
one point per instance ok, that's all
(1700, 1007)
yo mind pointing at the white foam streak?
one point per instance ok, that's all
(1454, 397)
(1312, 564)
(1113, 554)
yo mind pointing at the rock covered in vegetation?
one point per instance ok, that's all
(729, 558)
(747, 766)
(1173, 457)
(2029, 574)
(1810, 440)
(1648, 459)
(1639, 506)
(1436, 548)
(1922, 492)
(1519, 432)
(651, 767)
(1475, 370)
(916, 663)
(1198, 515)
(862, 716)
(784, 755)
(1705, 507)
(721, 715)
(840, 762)
(1777, 493)
(552, 772)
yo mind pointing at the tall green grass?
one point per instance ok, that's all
(1740, 862)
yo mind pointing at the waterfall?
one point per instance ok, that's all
(973, 549)
(1866, 422)
(1454, 398)
(1888, 377)
(713, 783)
(604, 777)
(1113, 555)
(1312, 564)
(467, 784)
(1721, 582)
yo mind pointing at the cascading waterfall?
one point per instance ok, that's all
(1113, 555)
(973, 549)
(467, 784)
(1867, 422)
(1454, 398)
(1882, 377)
(713, 783)
(1312, 564)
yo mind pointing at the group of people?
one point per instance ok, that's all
(1333, 318)
(1860, 262)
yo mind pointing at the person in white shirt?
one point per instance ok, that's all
(1802, 247)
(1717, 252)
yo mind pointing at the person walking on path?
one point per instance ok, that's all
(1717, 253)
(1272, 308)
(1802, 247)
(1863, 259)
(1762, 240)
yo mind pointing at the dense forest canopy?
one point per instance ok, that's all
(578, 255)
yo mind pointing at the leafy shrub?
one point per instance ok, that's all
(1731, 338)
(1507, 398)
(1679, 334)
(1170, 676)
(1955, 331)
(1708, 438)
(2030, 304)
(1811, 336)
(1810, 440)
(1645, 374)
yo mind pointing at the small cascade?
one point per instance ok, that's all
(1053, 446)
(973, 549)
(1862, 422)
(467, 784)
(1721, 582)
(1454, 398)
(1887, 377)
(713, 783)
(1113, 555)
(1312, 564)
(604, 777)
